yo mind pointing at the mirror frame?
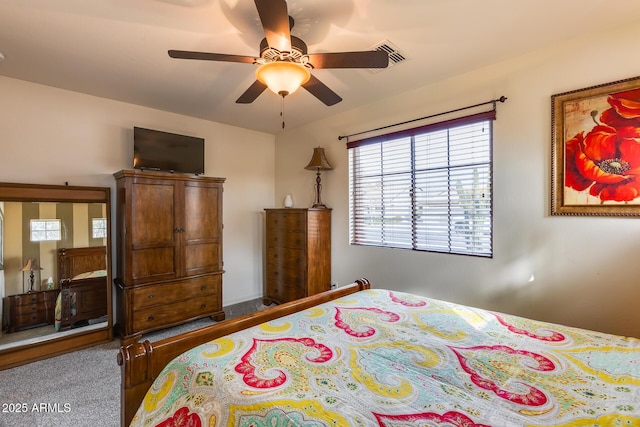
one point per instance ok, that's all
(12, 192)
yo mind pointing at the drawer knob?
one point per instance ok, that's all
(203, 287)
(151, 296)
(203, 305)
(151, 318)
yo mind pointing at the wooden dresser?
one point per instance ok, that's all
(298, 251)
(30, 309)
(169, 257)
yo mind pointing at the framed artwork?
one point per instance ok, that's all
(595, 157)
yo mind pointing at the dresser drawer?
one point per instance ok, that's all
(286, 277)
(295, 221)
(35, 318)
(163, 315)
(286, 239)
(284, 292)
(178, 290)
(290, 258)
(24, 310)
(28, 299)
(285, 284)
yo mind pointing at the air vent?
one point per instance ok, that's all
(395, 55)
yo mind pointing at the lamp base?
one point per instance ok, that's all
(319, 206)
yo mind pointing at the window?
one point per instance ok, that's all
(99, 228)
(427, 188)
(45, 230)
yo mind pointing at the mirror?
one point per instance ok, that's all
(55, 270)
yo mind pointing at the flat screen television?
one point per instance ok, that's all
(164, 151)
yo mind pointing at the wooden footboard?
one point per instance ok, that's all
(90, 300)
(142, 362)
(91, 294)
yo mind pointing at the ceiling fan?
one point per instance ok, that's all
(284, 62)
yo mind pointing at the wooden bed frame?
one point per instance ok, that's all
(90, 294)
(142, 362)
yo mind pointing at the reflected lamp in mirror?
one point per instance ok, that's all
(31, 266)
(318, 163)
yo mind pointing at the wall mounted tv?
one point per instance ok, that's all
(164, 151)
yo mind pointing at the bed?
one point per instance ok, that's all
(358, 356)
(83, 286)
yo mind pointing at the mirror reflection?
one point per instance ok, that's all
(53, 273)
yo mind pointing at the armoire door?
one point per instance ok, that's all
(201, 239)
(154, 230)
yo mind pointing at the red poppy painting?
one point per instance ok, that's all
(596, 150)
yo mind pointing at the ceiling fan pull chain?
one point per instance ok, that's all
(282, 111)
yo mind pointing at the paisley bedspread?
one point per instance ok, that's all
(386, 358)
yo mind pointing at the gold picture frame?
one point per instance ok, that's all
(595, 154)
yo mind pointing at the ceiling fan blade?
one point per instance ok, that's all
(186, 54)
(321, 91)
(252, 93)
(275, 21)
(363, 59)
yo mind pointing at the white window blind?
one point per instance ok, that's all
(427, 188)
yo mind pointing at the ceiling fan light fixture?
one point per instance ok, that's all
(283, 77)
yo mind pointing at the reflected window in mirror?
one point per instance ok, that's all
(99, 228)
(45, 230)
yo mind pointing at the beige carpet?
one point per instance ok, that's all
(75, 389)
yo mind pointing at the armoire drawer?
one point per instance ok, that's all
(155, 317)
(177, 290)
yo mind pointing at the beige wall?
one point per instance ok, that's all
(577, 271)
(52, 136)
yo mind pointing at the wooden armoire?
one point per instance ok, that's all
(298, 253)
(169, 249)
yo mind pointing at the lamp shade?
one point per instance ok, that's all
(283, 77)
(31, 265)
(319, 161)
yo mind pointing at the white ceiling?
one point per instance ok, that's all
(118, 48)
